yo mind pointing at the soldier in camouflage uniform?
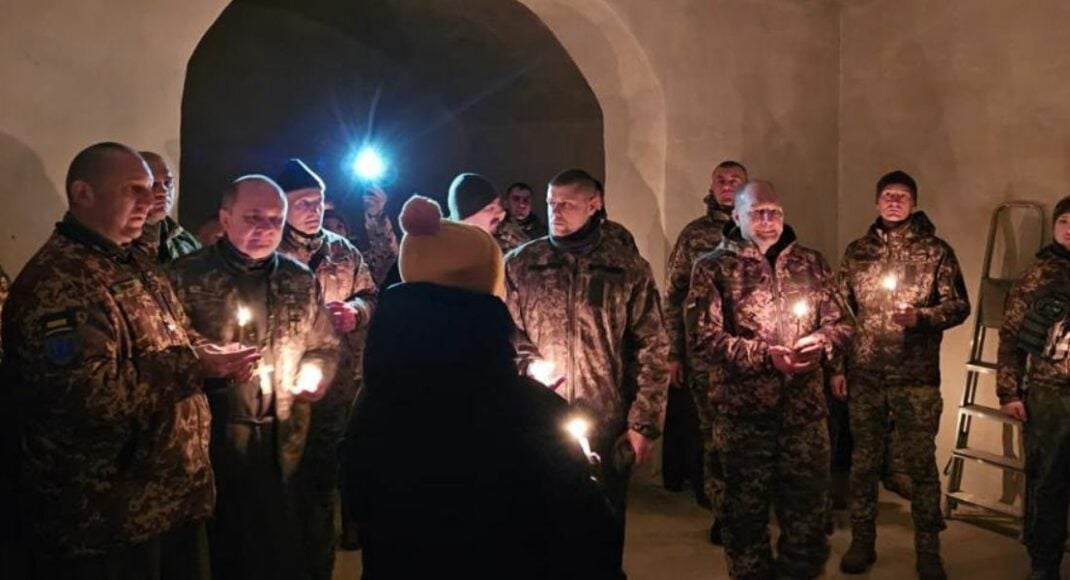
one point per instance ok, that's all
(518, 206)
(905, 287)
(379, 244)
(1033, 384)
(242, 290)
(689, 398)
(766, 317)
(163, 239)
(349, 293)
(103, 392)
(592, 310)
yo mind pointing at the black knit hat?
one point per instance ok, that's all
(296, 175)
(469, 193)
(1063, 206)
(898, 177)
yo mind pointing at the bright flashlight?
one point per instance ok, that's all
(369, 165)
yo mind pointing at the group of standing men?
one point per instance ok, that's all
(185, 421)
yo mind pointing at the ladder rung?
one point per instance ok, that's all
(980, 366)
(994, 506)
(988, 413)
(1011, 463)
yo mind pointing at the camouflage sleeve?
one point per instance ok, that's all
(382, 245)
(713, 343)
(322, 345)
(953, 304)
(526, 351)
(835, 320)
(96, 377)
(844, 295)
(365, 294)
(646, 334)
(676, 284)
(1010, 359)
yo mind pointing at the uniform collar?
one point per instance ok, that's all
(309, 242)
(73, 229)
(234, 258)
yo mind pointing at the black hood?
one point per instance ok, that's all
(427, 337)
(1052, 251)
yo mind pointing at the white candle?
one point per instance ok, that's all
(579, 427)
(801, 310)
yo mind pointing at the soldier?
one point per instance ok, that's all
(163, 238)
(905, 287)
(103, 391)
(349, 293)
(766, 317)
(1033, 384)
(379, 244)
(683, 456)
(590, 308)
(614, 232)
(242, 289)
(518, 206)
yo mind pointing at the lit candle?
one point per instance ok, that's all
(890, 282)
(308, 379)
(579, 427)
(543, 371)
(801, 310)
(244, 315)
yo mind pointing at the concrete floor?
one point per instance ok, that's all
(667, 539)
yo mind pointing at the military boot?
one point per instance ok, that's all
(860, 555)
(931, 567)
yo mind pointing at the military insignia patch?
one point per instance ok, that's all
(128, 285)
(62, 346)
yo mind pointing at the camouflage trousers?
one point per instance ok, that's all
(788, 468)
(915, 411)
(711, 462)
(1047, 468)
(317, 483)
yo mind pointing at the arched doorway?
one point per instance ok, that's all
(437, 88)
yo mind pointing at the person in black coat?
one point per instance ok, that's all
(455, 464)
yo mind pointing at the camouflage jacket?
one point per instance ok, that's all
(510, 235)
(105, 391)
(532, 227)
(166, 241)
(618, 236)
(1044, 282)
(343, 277)
(927, 276)
(289, 323)
(5, 287)
(380, 249)
(596, 317)
(742, 303)
(699, 237)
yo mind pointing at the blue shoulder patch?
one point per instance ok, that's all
(61, 342)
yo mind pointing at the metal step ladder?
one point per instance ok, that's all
(989, 317)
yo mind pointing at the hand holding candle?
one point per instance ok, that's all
(545, 371)
(579, 428)
(800, 310)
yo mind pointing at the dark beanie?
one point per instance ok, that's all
(1060, 208)
(469, 193)
(898, 177)
(296, 175)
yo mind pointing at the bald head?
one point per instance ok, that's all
(252, 215)
(109, 190)
(758, 213)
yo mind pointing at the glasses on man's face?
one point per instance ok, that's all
(767, 215)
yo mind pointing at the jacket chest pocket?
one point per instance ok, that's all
(599, 285)
(152, 327)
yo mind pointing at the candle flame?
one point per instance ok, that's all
(890, 282)
(800, 309)
(543, 371)
(579, 427)
(244, 315)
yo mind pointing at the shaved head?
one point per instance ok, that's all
(253, 214)
(757, 191)
(163, 186)
(759, 213)
(109, 190)
(93, 163)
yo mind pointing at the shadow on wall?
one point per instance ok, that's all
(31, 204)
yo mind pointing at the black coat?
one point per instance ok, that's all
(454, 465)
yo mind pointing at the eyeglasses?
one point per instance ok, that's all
(769, 215)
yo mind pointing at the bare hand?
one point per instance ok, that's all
(232, 360)
(374, 201)
(343, 316)
(905, 316)
(838, 386)
(784, 362)
(1015, 409)
(640, 445)
(676, 374)
(808, 349)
